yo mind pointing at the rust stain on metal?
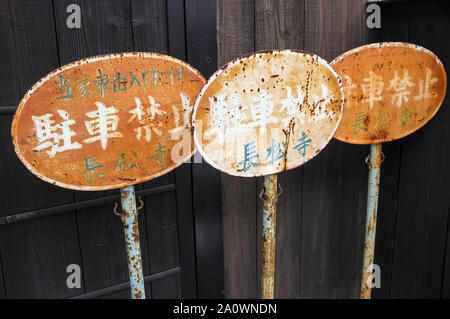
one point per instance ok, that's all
(267, 112)
(391, 90)
(131, 228)
(270, 197)
(108, 121)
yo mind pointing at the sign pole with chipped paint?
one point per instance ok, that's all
(131, 228)
(371, 217)
(263, 114)
(110, 122)
(390, 90)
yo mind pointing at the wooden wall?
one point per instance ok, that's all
(321, 213)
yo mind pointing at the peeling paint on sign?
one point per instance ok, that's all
(267, 112)
(391, 90)
(108, 121)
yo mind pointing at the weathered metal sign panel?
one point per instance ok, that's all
(391, 90)
(267, 112)
(108, 121)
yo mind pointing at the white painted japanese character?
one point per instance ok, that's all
(146, 117)
(349, 86)
(425, 86)
(218, 110)
(226, 115)
(400, 88)
(186, 109)
(51, 135)
(235, 115)
(291, 104)
(321, 102)
(262, 111)
(103, 126)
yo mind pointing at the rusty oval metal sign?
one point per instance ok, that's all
(391, 90)
(108, 121)
(267, 112)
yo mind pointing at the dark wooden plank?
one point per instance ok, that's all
(395, 27)
(2, 280)
(235, 37)
(239, 237)
(162, 232)
(281, 25)
(201, 43)
(288, 236)
(176, 28)
(27, 32)
(326, 28)
(335, 182)
(35, 254)
(186, 235)
(202, 54)
(445, 290)
(183, 174)
(422, 217)
(357, 32)
(106, 28)
(235, 29)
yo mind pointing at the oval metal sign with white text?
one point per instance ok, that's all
(391, 90)
(267, 112)
(108, 121)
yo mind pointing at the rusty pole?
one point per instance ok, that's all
(130, 224)
(371, 219)
(269, 197)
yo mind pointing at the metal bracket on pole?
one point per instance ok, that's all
(269, 196)
(374, 162)
(129, 219)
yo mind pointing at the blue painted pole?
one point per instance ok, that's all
(131, 228)
(270, 197)
(371, 219)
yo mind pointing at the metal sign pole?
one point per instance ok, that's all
(269, 196)
(371, 218)
(130, 224)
